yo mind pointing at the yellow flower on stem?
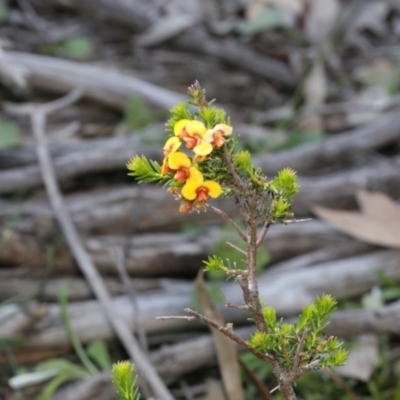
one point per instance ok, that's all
(192, 133)
(180, 163)
(170, 147)
(216, 135)
(196, 189)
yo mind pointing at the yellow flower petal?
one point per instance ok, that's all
(179, 126)
(172, 142)
(214, 189)
(189, 190)
(195, 128)
(179, 160)
(203, 148)
(195, 176)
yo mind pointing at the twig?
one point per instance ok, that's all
(166, 317)
(236, 248)
(229, 304)
(227, 331)
(300, 348)
(227, 218)
(38, 116)
(263, 233)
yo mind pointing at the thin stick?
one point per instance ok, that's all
(236, 248)
(232, 305)
(227, 331)
(263, 233)
(300, 348)
(227, 218)
(38, 120)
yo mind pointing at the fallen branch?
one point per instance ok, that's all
(339, 148)
(38, 119)
(288, 292)
(163, 254)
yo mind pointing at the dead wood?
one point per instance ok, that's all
(335, 189)
(176, 360)
(163, 254)
(38, 116)
(136, 15)
(339, 148)
(289, 292)
(48, 290)
(239, 56)
(98, 387)
(139, 17)
(112, 88)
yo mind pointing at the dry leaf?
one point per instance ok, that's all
(378, 223)
(225, 348)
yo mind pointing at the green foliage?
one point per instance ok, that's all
(286, 183)
(98, 352)
(9, 134)
(59, 370)
(242, 161)
(306, 334)
(213, 116)
(178, 112)
(63, 300)
(144, 170)
(214, 263)
(125, 381)
(280, 209)
(137, 114)
(78, 48)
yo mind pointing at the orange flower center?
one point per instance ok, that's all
(202, 194)
(182, 174)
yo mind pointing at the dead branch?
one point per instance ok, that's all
(288, 292)
(102, 84)
(339, 148)
(165, 254)
(38, 119)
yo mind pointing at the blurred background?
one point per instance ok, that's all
(309, 84)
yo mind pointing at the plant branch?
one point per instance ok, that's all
(263, 233)
(227, 331)
(236, 248)
(227, 218)
(300, 348)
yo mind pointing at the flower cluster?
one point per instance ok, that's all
(202, 160)
(189, 184)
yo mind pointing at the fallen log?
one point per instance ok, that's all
(337, 149)
(163, 254)
(288, 292)
(112, 88)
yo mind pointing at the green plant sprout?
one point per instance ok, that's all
(125, 381)
(216, 166)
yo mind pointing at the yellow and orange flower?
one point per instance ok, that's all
(216, 135)
(170, 147)
(196, 189)
(192, 133)
(180, 163)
